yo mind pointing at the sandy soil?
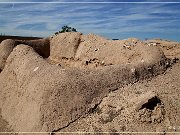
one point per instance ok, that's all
(120, 111)
(72, 82)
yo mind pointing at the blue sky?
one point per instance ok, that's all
(112, 20)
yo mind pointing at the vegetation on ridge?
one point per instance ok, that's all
(66, 28)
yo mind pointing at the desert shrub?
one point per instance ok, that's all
(66, 28)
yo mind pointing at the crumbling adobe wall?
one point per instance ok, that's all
(170, 48)
(41, 46)
(45, 97)
(64, 45)
(6, 47)
(92, 49)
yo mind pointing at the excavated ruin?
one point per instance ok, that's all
(47, 84)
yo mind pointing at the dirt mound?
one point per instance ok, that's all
(110, 52)
(42, 95)
(6, 48)
(147, 106)
(41, 46)
(64, 45)
(170, 48)
(91, 51)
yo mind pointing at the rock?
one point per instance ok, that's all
(106, 117)
(158, 113)
(36, 69)
(58, 64)
(133, 70)
(96, 49)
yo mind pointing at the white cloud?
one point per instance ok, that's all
(101, 18)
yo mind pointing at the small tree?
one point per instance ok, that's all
(66, 28)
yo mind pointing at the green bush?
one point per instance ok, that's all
(66, 28)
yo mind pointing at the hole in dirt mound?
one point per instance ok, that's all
(152, 103)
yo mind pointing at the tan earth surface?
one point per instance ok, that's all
(77, 83)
